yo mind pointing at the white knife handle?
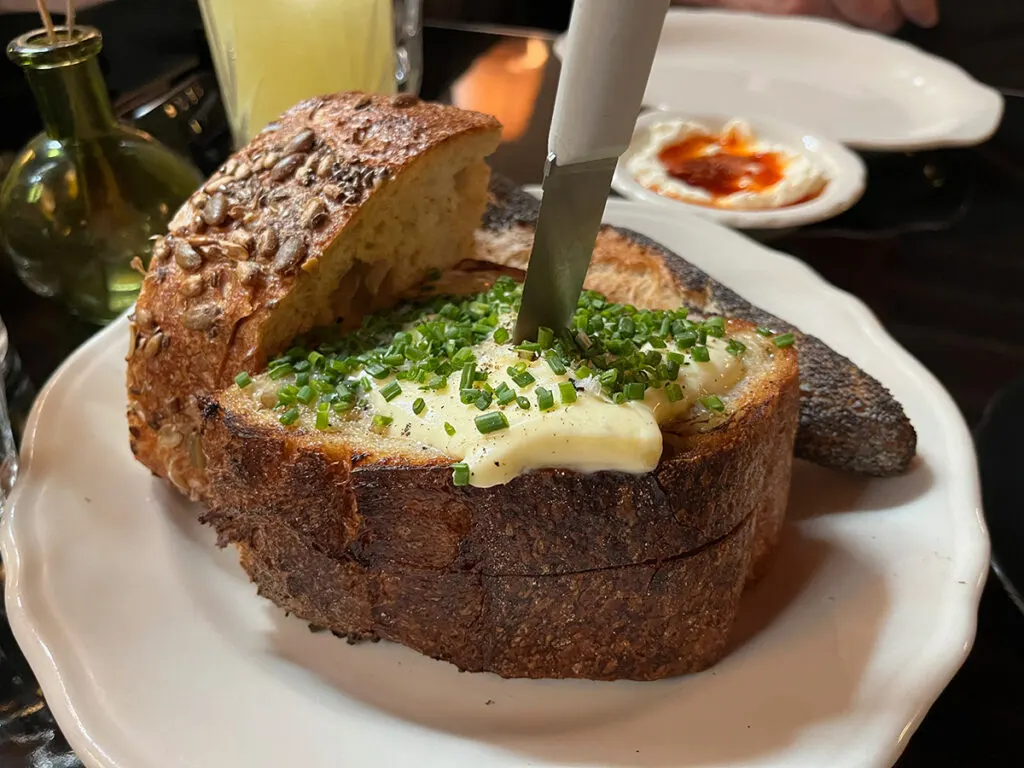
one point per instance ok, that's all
(609, 51)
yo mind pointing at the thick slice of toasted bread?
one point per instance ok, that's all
(554, 574)
(848, 420)
(378, 191)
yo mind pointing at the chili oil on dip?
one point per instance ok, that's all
(731, 169)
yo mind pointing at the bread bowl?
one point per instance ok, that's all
(550, 572)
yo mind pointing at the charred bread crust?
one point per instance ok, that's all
(641, 622)
(848, 420)
(242, 243)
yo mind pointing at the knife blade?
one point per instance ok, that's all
(610, 48)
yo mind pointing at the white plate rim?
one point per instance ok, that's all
(43, 652)
(846, 185)
(975, 126)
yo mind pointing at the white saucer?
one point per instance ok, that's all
(154, 651)
(845, 171)
(858, 88)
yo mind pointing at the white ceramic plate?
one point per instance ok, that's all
(154, 651)
(845, 171)
(858, 88)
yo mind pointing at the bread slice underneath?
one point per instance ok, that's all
(602, 575)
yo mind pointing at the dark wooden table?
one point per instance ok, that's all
(936, 249)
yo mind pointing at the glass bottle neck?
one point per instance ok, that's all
(64, 73)
(72, 100)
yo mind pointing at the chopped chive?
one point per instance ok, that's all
(783, 340)
(713, 403)
(305, 395)
(468, 395)
(735, 347)
(491, 422)
(583, 372)
(567, 392)
(483, 401)
(715, 322)
(764, 331)
(437, 382)
(634, 390)
(322, 419)
(302, 365)
(380, 420)
(468, 374)
(419, 405)
(555, 363)
(619, 398)
(545, 337)
(281, 371)
(243, 380)
(315, 358)
(449, 429)
(390, 391)
(500, 336)
(545, 399)
(290, 416)
(700, 354)
(523, 403)
(463, 356)
(673, 392)
(523, 379)
(460, 474)
(529, 346)
(302, 379)
(609, 377)
(504, 394)
(686, 339)
(378, 371)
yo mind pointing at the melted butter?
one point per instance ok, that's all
(589, 435)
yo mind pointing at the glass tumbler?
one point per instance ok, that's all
(271, 54)
(8, 451)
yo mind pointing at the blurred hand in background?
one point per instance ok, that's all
(880, 15)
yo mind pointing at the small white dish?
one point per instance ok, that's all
(844, 170)
(154, 651)
(862, 89)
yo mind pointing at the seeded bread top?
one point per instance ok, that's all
(243, 242)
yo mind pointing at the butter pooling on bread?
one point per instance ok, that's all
(440, 372)
(344, 203)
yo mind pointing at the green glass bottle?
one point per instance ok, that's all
(87, 195)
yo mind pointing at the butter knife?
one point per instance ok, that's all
(609, 51)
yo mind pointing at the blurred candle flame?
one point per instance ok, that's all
(504, 82)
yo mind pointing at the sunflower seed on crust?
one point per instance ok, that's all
(186, 256)
(266, 243)
(291, 252)
(300, 143)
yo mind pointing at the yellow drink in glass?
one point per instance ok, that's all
(272, 54)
